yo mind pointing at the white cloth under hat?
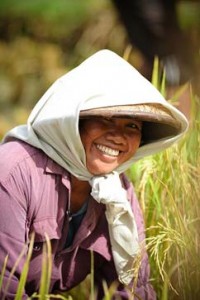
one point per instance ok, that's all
(104, 79)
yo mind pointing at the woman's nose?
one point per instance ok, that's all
(117, 136)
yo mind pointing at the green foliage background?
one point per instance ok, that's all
(41, 40)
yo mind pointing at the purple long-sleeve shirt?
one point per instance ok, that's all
(35, 197)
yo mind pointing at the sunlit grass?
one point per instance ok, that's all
(167, 185)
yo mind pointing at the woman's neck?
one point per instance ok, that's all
(79, 193)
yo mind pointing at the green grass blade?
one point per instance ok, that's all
(23, 277)
(3, 271)
(23, 252)
(46, 270)
(155, 74)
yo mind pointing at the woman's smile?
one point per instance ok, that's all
(107, 150)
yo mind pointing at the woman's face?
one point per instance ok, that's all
(109, 142)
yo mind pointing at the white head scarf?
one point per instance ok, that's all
(104, 79)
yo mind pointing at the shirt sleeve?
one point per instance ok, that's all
(13, 232)
(144, 289)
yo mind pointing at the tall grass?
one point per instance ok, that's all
(167, 185)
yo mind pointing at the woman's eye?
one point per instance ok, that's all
(134, 126)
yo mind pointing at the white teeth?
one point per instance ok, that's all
(107, 150)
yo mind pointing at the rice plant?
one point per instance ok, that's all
(167, 185)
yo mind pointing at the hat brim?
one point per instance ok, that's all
(158, 122)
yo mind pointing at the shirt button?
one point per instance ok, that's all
(37, 247)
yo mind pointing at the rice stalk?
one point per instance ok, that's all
(23, 277)
(46, 270)
(167, 185)
(92, 290)
(23, 252)
(3, 271)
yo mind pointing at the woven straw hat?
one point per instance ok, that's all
(158, 122)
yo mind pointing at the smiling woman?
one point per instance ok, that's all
(62, 175)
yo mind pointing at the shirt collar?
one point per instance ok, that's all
(53, 168)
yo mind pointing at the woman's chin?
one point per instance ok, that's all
(101, 170)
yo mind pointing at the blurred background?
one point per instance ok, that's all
(40, 40)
